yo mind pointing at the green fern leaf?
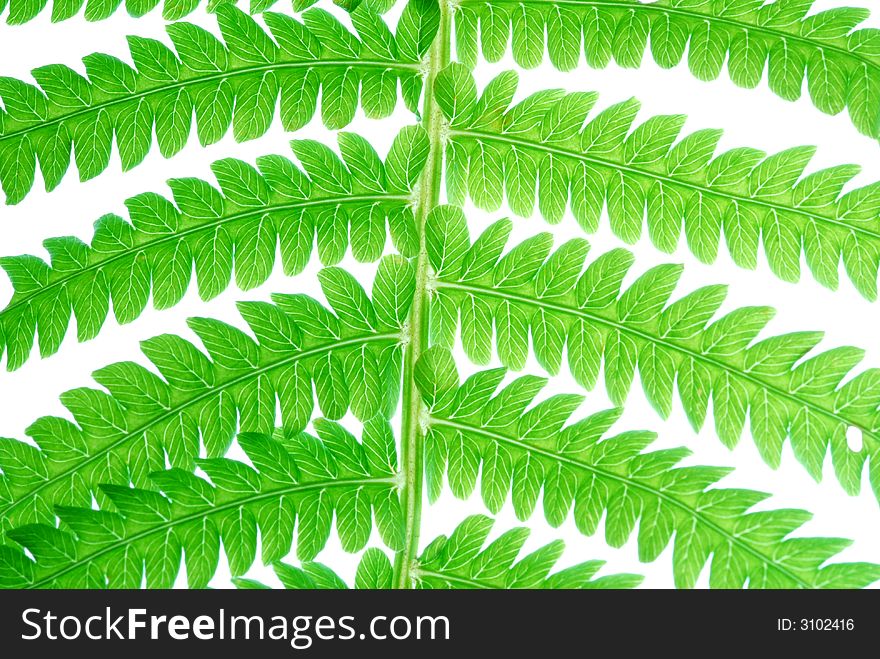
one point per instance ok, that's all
(142, 532)
(462, 561)
(23, 11)
(123, 432)
(672, 345)
(233, 232)
(522, 451)
(132, 480)
(676, 184)
(232, 83)
(841, 64)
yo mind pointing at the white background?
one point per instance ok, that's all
(749, 117)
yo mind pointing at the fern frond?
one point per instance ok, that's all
(131, 482)
(235, 83)
(476, 431)
(236, 228)
(540, 148)
(23, 11)
(299, 484)
(350, 358)
(840, 63)
(673, 346)
(461, 561)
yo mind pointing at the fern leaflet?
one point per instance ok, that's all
(841, 64)
(541, 148)
(22, 11)
(237, 83)
(357, 200)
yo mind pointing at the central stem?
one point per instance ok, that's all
(428, 198)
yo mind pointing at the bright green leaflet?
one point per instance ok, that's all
(560, 304)
(841, 64)
(462, 561)
(237, 82)
(539, 150)
(524, 452)
(373, 352)
(22, 11)
(355, 202)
